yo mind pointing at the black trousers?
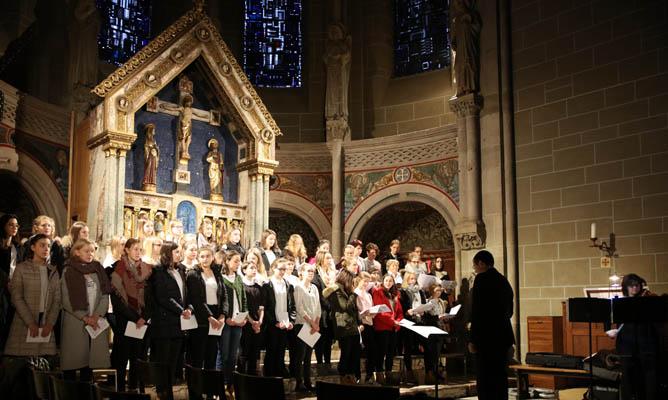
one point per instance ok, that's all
(167, 351)
(491, 375)
(251, 343)
(387, 345)
(639, 377)
(349, 360)
(368, 341)
(302, 358)
(411, 342)
(323, 348)
(293, 351)
(85, 374)
(126, 349)
(274, 358)
(202, 348)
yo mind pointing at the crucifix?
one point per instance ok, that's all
(186, 113)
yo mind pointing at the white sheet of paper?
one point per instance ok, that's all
(239, 318)
(425, 331)
(380, 308)
(284, 318)
(102, 324)
(188, 324)
(423, 307)
(132, 331)
(406, 323)
(425, 281)
(38, 338)
(454, 310)
(215, 332)
(305, 335)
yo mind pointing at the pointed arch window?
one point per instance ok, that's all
(273, 43)
(421, 36)
(125, 28)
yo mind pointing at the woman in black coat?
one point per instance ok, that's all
(9, 258)
(279, 318)
(168, 286)
(207, 295)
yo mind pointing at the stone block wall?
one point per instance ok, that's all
(591, 125)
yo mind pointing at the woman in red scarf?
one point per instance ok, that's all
(128, 280)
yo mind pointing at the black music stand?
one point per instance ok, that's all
(435, 338)
(646, 309)
(590, 310)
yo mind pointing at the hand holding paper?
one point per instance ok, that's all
(134, 331)
(188, 324)
(39, 338)
(102, 324)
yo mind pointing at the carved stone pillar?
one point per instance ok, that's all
(470, 233)
(9, 100)
(105, 218)
(337, 131)
(257, 212)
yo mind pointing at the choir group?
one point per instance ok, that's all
(188, 300)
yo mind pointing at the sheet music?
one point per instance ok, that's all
(102, 324)
(188, 324)
(132, 331)
(38, 338)
(306, 336)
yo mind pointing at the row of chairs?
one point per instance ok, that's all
(49, 385)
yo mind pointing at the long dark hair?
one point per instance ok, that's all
(391, 292)
(630, 280)
(4, 220)
(166, 259)
(346, 279)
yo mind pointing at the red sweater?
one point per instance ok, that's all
(385, 321)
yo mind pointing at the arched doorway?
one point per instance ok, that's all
(16, 200)
(413, 223)
(285, 224)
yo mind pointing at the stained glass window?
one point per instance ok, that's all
(421, 39)
(125, 29)
(273, 42)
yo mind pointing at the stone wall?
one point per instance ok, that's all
(591, 125)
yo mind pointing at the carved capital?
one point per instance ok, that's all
(470, 235)
(111, 140)
(466, 105)
(257, 167)
(337, 128)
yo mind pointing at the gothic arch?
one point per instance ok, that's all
(306, 210)
(432, 197)
(43, 191)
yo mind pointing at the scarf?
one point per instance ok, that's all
(133, 280)
(238, 287)
(76, 283)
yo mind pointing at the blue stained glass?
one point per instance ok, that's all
(421, 36)
(126, 28)
(273, 42)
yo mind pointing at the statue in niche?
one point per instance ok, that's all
(465, 28)
(216, 168)
(84, 29)
(151, 157)
(337, 60)
(127, 223)
(159, 224)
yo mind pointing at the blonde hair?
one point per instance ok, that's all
(407, 276)
(261, 269)
(114, 244)
(38, 221)
(80, 244)
(147, 245)
(320, 259)
(298, 251)
(392, 263)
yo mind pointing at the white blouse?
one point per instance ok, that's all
(307, 302)
(281, 295)
(211, 287)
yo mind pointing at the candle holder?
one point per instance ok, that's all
(609, 249)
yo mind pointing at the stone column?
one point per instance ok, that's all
(106, 217)
(471, 231)
(251, 234)
(335, 139)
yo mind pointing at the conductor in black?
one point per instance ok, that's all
(491, 332)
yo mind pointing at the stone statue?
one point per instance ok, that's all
(184, 135)
(216, 168)
(337, 60)
(465, 38)
(84, 29)
(151, 157)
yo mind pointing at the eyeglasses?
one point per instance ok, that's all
(281, 268)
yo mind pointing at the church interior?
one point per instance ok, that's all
(536, 130)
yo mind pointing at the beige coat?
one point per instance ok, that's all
(77, 350)
(25, 288)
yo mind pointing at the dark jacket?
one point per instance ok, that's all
(228, 308)
(407, 304)
(6, 257)
(197, 294)
(265, 260)
(491, 310)
(270, 303)
(166, 316)
(345, 316)
(229, 246)
(325, 318)
(389, 256)
(255, 299)
(122, 312)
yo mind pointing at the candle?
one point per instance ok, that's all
(593, 230)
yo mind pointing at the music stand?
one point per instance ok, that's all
(646, 309)
(435, 337)
(590, 310)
